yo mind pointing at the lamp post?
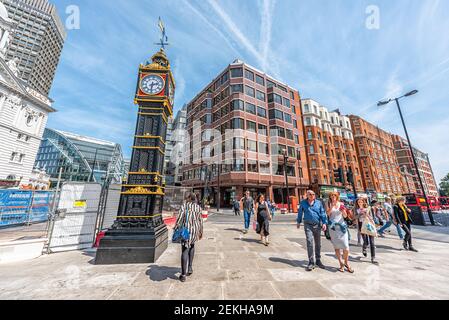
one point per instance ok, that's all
(298, 158)
(218, 183)
(286, 179)
(415, 163)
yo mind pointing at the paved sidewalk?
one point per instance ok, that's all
(230, 265)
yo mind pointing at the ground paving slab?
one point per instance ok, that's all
(233, 265)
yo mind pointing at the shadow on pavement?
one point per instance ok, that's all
(248, 240)
(161, 273)
(293, 263)
(234, 229)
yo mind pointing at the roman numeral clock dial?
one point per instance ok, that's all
(152, 84)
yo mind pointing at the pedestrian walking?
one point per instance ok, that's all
(190, 217)
(390, 219)
(402, 214)
(272, 207)
(377, 212)
(364, 214)
(263, 218)
(247, 204)
(236, 207)
(338, 230)
(312, 212)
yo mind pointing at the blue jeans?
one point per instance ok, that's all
(388, 225)
(247, 214)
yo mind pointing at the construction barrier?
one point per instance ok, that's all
(74, 226)
(18, 207)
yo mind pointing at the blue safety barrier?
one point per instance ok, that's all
(22, 206)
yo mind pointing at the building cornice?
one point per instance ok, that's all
(25, 92)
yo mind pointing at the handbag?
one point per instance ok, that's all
(327, 234)
(368, 228)
(182, 233)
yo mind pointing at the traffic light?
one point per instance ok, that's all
(338, 175)
(350, 177)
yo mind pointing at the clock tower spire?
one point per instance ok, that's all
(139, 234)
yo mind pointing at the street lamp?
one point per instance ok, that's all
(298, 158)
(286, 179)
(382, 103)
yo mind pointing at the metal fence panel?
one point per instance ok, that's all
(112, 205)
(74, 229)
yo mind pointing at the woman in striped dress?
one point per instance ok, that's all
(192, 211)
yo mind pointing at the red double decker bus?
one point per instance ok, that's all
(415, 200)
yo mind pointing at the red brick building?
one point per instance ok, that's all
(240, 127)
(377, 158)
(405, 161)
(330, 146)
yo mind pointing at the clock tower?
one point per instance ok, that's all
(139, 234)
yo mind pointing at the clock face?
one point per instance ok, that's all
(152, 84)
(171, 96)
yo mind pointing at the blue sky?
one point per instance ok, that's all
(322, 48)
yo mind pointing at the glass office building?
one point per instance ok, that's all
(81, 158)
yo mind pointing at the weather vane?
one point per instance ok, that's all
(164, 39)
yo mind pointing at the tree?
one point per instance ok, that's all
(444, 186)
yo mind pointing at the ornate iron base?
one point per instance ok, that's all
(132, 246)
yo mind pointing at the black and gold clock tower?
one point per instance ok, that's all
(139, 234)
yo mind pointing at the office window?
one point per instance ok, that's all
(261, 112)
(250, 108)
(260, 96)
(263, 148)
(253, 166)
(273, 97)
(239, 144)
(238, 165)
(277, 132)
(251, 145)
(237, 73)
(262, 130)
(291, 152)
(270, 84)
(249, 75)
(309, 135)
(250, 91)
(237, 123)
(251, 126)
(237, 105)
(237, 88)
(289, 134)
(265, 168)
(276, 114)
(260, 80)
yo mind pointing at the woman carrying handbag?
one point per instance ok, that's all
(367, 227)
(263, 218)
(188, 230)
(338, 230)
